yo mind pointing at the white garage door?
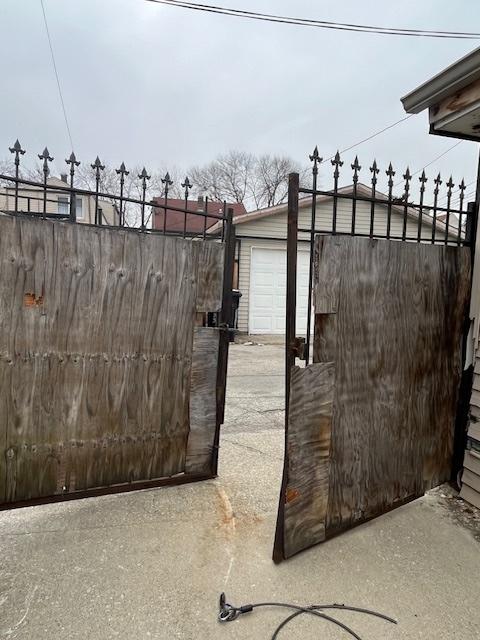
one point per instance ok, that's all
(268, 273)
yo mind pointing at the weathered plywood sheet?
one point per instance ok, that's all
(394, 335)
(327, 259)
(399, 330)
(203, 400)
(309, 435)
(209, 258)
(96, 336)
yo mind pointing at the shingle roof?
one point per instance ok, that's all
(175, 220)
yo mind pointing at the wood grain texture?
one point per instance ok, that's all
(390, 318)
(96, 335)
(327, 260)
(203, 400)
(398, 358)
(209, 257)
(308, 456)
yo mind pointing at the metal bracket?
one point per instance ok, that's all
(299, 348)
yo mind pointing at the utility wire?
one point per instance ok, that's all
(322, 24)
(56, 75)
(431, 161)
(374, 135)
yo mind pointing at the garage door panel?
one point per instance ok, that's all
(268, 298)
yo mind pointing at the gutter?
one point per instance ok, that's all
(444, 84)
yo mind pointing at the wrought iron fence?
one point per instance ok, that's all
(449, 225)
(363, 209)
(60, 200)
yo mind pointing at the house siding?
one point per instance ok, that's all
(271, 232)
(31, 199)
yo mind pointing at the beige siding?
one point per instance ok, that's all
(271, 232)
(30, 199)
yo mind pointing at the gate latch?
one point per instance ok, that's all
(298, 348)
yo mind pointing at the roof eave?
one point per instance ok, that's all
(447, 82)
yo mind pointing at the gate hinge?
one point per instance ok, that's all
(298, 348)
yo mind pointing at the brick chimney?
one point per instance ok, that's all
(201, 204)
(64, 178)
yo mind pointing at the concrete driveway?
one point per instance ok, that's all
(151, 564)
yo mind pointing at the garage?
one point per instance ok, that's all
(268, 290)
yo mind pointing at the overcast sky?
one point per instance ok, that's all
(163, 86)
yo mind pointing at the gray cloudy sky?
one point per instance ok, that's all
(157, 85)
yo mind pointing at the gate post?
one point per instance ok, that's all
(291, 307)
(225, 320)
(290, 343)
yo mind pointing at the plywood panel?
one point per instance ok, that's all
(394, 335)
(328, 262)
(203, 400)
(310, 420)
(96, 339)
(399, 324)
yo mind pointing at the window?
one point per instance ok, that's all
(63, 205)
(79, 207)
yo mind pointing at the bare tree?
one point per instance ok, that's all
(256, 182)
(110, 184)
(229, 177)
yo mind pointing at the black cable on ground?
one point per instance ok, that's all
(229, 613)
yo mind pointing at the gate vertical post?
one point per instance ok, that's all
(225, 321)
(291, 307)
(290, 351)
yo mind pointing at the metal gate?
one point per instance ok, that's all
(112, 377)
(370, 424)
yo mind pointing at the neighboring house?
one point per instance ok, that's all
(176, 221)
(30, 199)
(452, 98)
(262, 254)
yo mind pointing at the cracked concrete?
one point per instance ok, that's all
(151, 564)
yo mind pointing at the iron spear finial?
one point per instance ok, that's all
(187, 185)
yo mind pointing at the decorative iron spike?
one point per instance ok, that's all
(423, 179)
(316, 159)
(438, 182)
(390, 173)
(461, 188)
(374, 170)
(450, 184)
(73, 162)
(144, 175)
(407, 176)
(97, 165)
(187, 185)
(356, 168)
(17, 150)
(122, 170)
(45, 156)
(336, 162)
(167, 181)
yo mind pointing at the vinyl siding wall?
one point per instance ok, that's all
(31, 199)
(271, 232)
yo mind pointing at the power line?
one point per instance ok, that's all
(432, 161)
(56, 75)
(374, 135)
(321, 24)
